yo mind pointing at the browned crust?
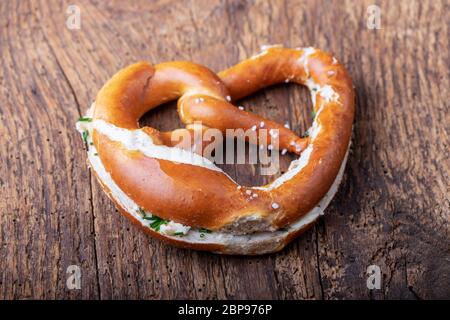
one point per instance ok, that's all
(200, 197)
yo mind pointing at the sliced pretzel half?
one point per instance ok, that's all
(187, 199)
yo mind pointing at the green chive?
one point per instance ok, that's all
(313, 114)
(96, 154)
(178, 234)
(204, 230)
(156, 222)
(85, 135)
(202, 235)
(85, 119)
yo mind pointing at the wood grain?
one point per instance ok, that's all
(393, 207)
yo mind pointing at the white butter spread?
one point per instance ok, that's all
(294, 168)
(328, 94)
(174, 228)
(256, 56)
(264, 49)
(304, 58)
(140, 141)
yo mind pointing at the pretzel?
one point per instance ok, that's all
(184, 198)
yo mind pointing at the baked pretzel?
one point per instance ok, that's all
(180, 196)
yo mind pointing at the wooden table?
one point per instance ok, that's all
(392, 209)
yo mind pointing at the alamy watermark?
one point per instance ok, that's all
(373, 20)
(374, 278)
(73, 281)
(251, 146)
(73, 20)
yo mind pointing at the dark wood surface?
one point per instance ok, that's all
(392, 209)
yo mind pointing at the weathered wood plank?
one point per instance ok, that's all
(392, 209)
(396, 191)
(46, 216)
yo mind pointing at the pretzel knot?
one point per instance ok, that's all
(179, 195)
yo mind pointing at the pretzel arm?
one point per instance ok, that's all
(220, 114)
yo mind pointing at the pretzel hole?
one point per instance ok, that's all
(283, 103)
